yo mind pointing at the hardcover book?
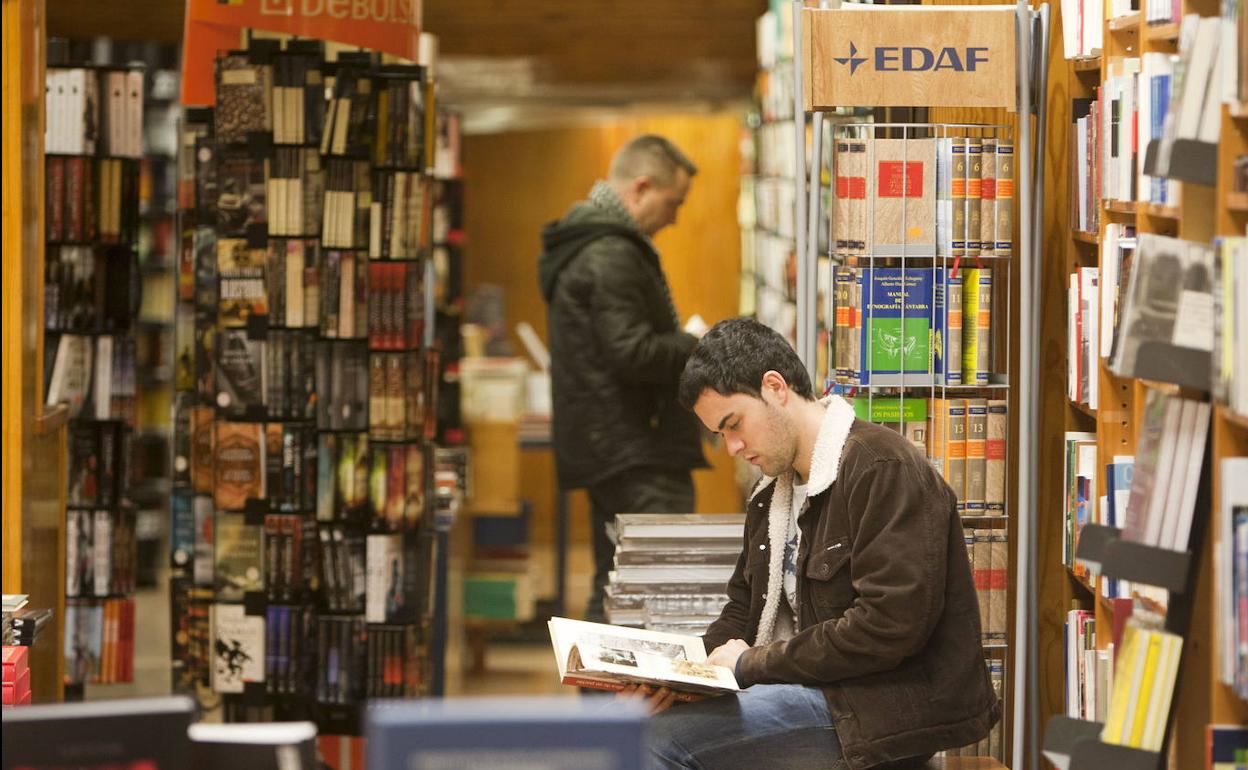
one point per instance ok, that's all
(237, 648)
(238, 464)
(239, 563)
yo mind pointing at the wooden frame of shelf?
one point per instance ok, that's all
(1162, 33)
(1082, 237)
(1237, 202)
(1129, 22)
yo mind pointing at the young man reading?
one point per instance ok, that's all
(852, 620)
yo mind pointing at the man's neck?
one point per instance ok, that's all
(809, 418)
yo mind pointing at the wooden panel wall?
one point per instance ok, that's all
(517, 182)
(34, 441)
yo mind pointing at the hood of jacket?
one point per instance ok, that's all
(586, 222)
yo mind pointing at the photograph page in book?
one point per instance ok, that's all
(608, 657)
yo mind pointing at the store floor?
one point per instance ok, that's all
(511, 667)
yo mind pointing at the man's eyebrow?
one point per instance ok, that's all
(724, 421)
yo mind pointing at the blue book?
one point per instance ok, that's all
(898, 327)
(500, 732)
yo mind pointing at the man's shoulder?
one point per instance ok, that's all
(869, 443)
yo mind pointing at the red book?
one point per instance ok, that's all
(15, 662)
(56, 199)
(73, 199)
(376, 305)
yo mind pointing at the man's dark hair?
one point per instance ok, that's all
(733, 357)
(650, 155)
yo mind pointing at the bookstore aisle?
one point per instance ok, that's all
(279, 479)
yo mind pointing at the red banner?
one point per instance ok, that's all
(390, 26)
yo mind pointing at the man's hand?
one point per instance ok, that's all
(727, 653)
(657, 699)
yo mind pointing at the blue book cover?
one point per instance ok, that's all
(898, 326)
(550, 732)
(182, 531)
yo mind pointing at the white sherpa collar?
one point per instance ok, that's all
(825, 463)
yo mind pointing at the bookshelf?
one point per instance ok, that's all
(998, 374)
(316, 276)
(1200, 213)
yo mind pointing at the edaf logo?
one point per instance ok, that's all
(916, 58)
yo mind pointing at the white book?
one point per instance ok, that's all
(1194, 458)
(1162, 473)
(1072, 10)
(237, 647)
(1197, 78)
(1109, 285)
(102, 552)
(103, 382)
(75, 110)
(1176, 474)
(1232, 492)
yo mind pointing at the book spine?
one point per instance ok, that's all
(974, 194)
(1005, 199)
(957, 196)
(976, 455)
(955, 448)
(995, 452)
(988, 197)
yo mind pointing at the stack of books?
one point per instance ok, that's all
(12, 603)
(672, 570)
(16, 676)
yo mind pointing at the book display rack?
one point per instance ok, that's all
(304, 546)
(1154, 433)
(929, 254)
(94, 148)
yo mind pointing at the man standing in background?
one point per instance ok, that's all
(617, 349)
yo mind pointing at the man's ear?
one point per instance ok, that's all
(774, 388)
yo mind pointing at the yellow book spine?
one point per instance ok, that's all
(1159, 709)
(970, 324)
(1121, 695)
(1142, 703)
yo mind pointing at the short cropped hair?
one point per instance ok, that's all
(653, 156)
(733, 357)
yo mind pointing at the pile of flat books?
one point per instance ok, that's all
(672, 570)
(22, 624)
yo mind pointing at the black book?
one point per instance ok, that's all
(239, 375)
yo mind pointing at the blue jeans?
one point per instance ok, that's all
(767, 725)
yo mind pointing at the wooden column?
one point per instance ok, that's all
(34, 456)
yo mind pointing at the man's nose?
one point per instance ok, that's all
(735, 446)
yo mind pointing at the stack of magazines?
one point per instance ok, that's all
(672, 570)
(22, 624)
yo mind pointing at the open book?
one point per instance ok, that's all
(612, 657)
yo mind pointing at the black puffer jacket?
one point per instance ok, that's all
(616, 351)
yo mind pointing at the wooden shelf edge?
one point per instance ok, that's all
(1161, 212)
(1128, 208)
(1231, 416)
(1087, 64)
(1129, 22)
(1083, 409)
(52, 419)
(1081, 581)
(1237, 201)
(1238, 111)
(1164, 33)
(1090, 238)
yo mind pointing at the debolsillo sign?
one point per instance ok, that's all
(939, 56)
(390, 26)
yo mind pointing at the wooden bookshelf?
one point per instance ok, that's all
(1203, 213)
(1089, 238)
(1083, 409)
(34, 438)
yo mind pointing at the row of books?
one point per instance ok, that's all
(100, 552)
(94, 110)
(98, 466)
(913, 326)
(1089, 668)
(993, 744)
(1144, 674)
(1210, 66)
(94, 375)
(1083, 21)
(1163, 477)
(671, 570)
(965, 440)
(88, 289)
(1230, 567)
(291, 468)
(989, 553)
(99, 640)
(289, 648)
(91, 199)
(950, 196)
